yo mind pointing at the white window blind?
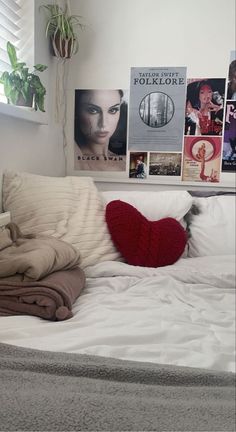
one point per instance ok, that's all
(10, 15)
(16, 26)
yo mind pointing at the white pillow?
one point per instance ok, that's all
(154, 205)
(69, 208)
(212, 231)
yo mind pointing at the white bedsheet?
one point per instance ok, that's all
(182, 314)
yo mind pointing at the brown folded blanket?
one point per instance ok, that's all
(34, 257)
(50, 298)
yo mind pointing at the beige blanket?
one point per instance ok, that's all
(50, 298)
(33, 256)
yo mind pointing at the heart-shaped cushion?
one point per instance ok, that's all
(143, 242)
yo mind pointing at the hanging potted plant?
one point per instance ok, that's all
(22, 87)
(61, 28)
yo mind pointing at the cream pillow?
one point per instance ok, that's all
(154, 205)
(212, 230)
(68, 208)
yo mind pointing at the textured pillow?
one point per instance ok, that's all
(212, 230)
(154, 205)
(143, 242)
(69, 208)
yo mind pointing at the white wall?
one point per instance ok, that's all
(123, 33)
(120, 34)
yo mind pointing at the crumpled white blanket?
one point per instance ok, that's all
(182, 314)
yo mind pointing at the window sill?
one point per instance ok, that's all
(23, 113)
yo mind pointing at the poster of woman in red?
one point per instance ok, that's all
(202, 159)
(204, 106)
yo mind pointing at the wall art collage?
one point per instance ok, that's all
(165, 125)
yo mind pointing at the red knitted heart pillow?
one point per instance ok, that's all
(143, 242)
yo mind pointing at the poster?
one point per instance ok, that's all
(165, 164)
(202, 159)
(100, 130)
(229, 141)
(157, 108)
(138, 165)
(204, 106)
(231, 82)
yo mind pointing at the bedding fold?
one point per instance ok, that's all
(50, 298)
(33, 256)
(39, 275)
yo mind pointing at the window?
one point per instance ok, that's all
(16, 26)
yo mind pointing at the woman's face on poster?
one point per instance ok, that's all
(205, 94)
(99, 113)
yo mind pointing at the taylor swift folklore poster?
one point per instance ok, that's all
(157, 108)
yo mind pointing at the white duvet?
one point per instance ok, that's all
(182, 314)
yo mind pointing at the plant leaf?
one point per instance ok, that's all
(4, 77)
(40, 67)
(39, 102)
(12, 54)
(26, 91)
(7, 87)
(25, 73)
(14, 96)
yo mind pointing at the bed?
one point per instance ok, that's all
(146, 348)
